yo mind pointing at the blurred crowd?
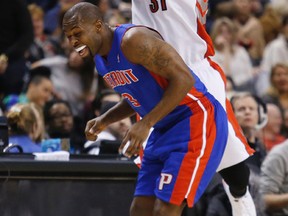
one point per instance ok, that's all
(47, 91)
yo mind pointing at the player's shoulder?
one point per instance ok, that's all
(138, 33)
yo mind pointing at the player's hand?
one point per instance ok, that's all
(93, 128)
(134, 137)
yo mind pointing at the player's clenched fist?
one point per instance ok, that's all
(93, 128)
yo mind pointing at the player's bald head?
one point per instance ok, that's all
(83, 12)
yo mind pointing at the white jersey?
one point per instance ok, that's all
(182, 28)
(182, 24)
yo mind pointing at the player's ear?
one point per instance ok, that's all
(98, 25)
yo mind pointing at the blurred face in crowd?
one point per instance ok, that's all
(246, 112)
(279, 78)
(224, 37)
(226, 32)
(37, 15)
(243, 7)
(119, 129)
(40, 93)
(223, 33)
(61, 119)
(274, 119)
(256, 6)
(38, 25)
(104, 6)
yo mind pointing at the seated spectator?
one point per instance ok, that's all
(278, 91)
(113, 132)
(234, 59)
(250, 114)
(72, 77)
(275, 52)
(274, 180)
(59, 123)
(271, 133)
(44, 4)
(43, 46)
(15, 38)
(52, 16)
(23, 127)
(271, 23)
(39, 91)
(105, 96)
(104, 7)
(250, 31)
(280, 6)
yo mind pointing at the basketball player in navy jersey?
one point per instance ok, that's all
(190, 125)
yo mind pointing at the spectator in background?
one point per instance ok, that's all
(271, 23)
(250, 113)
(250, 32)
(113, 132)
(217, 9)
(43, 45)
(274, 180)
(16, 35)
(271, 133)
(59, 123)
(104, 7)
(73, 79)
(58, 119)
(39, 91)
(275, 52)
(233, 59)
(44, 4)
(280, 6)
(23, 127)
(104, 96)
(278, 91)
(53, 16)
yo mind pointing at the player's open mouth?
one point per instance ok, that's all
(81, 50)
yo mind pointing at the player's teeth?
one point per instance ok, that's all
(80, 48)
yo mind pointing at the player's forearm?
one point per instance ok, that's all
(276, 201)
(120, 111)
(174, 94)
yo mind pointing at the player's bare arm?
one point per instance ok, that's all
(145, 47)
(120, 111)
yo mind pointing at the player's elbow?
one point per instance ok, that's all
(188, 81)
